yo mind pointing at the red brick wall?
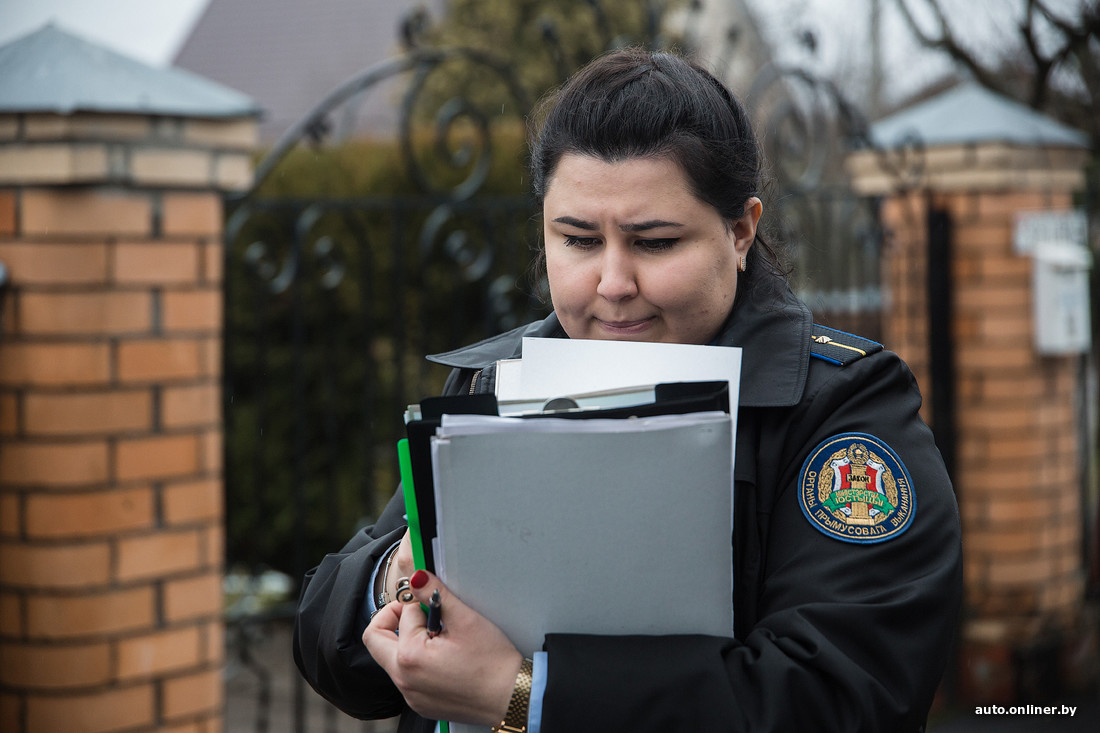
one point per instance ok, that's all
(111, 521)
(1019, 443)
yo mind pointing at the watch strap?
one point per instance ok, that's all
(515, 719)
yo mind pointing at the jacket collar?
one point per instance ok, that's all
(773, 332)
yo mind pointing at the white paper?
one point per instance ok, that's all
(452, 425)
(602, 400)
(555, 367)
(508, 384)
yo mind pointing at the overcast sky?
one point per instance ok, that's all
(153, 30)
(150, 30)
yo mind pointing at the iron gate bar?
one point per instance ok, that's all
(941, 341)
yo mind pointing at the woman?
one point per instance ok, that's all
(846, 539)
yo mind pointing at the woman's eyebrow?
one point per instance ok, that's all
(638, 227)
(646, 225)
(578, 223)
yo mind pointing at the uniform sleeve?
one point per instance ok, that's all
(328, 629)
(848, 636)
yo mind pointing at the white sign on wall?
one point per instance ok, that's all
(1037, 227)
(1058, 244)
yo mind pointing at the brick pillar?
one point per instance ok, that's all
(1019, 440)
(111, 518)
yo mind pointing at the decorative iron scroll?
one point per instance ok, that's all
(313, 127)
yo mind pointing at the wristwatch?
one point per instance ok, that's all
(515, 719)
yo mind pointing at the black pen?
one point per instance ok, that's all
(435, 612)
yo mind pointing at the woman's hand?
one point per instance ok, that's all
(465, 674)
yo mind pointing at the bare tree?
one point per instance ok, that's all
(1052, 64)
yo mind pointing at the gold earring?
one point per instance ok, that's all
(743, 264)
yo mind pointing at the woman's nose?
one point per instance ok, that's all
(618, 278)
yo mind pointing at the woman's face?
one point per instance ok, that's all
(632, 254)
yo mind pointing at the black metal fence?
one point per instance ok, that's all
(332, 302)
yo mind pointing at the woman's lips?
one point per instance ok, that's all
(636, 326)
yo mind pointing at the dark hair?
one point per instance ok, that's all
(635, 103)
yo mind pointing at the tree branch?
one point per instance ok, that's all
(1043, 66)
(947, 44)
(1076, 46)
(1073, 51)
(1053, 19)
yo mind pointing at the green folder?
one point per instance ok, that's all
(405, 464)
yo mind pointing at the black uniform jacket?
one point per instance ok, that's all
(831, 634)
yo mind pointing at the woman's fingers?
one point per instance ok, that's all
(380, 636)
(423, 666)
(423, 585)
(402, 566)
(404, 558)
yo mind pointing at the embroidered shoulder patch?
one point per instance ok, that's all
(855, 488)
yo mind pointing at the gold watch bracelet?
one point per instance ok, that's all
(515, 719)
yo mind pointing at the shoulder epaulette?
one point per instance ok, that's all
(838, 347)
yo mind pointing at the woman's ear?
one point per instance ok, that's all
(744, 229)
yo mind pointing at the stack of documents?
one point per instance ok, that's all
(601, 526)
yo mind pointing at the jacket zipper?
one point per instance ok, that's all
(473, 380)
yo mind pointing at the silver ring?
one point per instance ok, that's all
(404, 591)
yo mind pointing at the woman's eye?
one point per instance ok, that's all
(656, 245)
(580, 242)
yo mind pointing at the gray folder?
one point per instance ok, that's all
(587, 526)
